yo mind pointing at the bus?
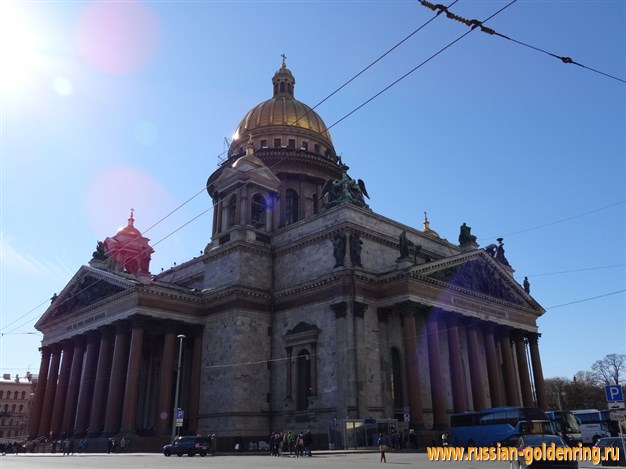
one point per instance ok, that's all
(500, 424)
(564, 423)
(595, 424)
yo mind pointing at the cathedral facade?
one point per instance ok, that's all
(305, 309)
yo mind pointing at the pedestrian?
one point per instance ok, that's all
(300, 445)
(123, 442)
(213, 444)
(308, 441)
(382, 447)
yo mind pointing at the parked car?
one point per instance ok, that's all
(532, 441)
(189, 445)
(612, 442)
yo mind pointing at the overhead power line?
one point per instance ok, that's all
(475, 24)
(585, 299)
(418, 66)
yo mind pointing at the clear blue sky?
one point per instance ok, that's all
(113, 105)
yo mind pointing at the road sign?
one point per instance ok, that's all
(619, 415)
(614, 393)
(407, 418)
(180, 414)
(616, 405)
(179, 422)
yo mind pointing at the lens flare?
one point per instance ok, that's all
(118, 38)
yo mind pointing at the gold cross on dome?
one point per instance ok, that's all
(284, 58)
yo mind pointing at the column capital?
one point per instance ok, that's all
(340, 309)
(533, 337)
(359, 309)
(383, 313)
(412, 308)
(79, 340)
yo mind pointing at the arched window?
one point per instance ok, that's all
(259, 207)
(291, 206)
(21, 408)
(282, 86)
(13, 408)
(6, 407)
(1, 394)
(232, 211)
(23, 394)
(8, 394)
(396, 378)
(304, 379)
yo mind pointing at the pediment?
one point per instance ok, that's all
(246, 173)
(477, 273)
(88, 287)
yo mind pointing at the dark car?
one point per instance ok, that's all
(613, 442)
(189, 445)
(533, 441)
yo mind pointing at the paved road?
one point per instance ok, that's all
(322, 461)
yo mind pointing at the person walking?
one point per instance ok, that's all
(382, 447)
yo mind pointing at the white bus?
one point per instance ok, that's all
(595, 424)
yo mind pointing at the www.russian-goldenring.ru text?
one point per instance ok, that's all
(529, 454)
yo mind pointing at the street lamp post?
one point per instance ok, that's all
(180, 357)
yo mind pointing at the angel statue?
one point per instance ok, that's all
(345, 190)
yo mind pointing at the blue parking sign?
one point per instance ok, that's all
(180, 414)
(614, 393)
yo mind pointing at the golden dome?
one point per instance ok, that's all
(282, 121)
(281, 111)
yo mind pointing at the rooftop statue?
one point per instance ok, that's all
(465, 236)
(345, 190)
(99, 254)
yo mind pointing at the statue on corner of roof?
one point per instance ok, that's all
(466, 236)
(100, 254)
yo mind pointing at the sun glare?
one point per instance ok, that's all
(19, 57)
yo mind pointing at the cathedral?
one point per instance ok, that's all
(306, 310)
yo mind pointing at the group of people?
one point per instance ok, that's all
(298, 444)
(14, 447)
(114, 446)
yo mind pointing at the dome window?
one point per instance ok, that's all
(292, 143)
(282, 86)
(263, 143)
(277, 143)
(305, 146)
(316, 148)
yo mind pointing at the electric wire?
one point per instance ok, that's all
(578, 270)
(562, 220)
(475, 24)
(585, 299)
(418, 66)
